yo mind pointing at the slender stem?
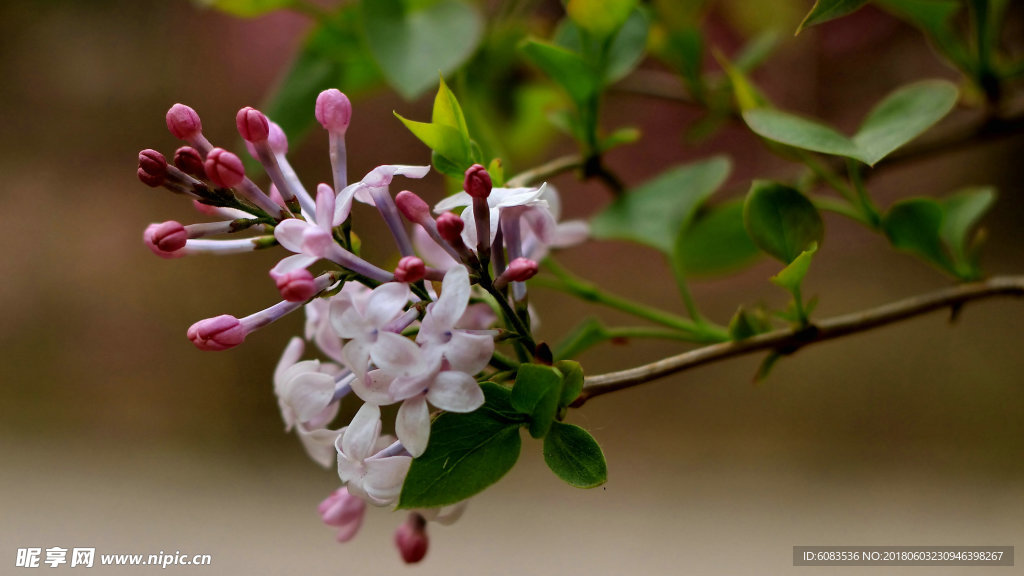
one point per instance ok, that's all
(545, 171)
(570, 284)
(790, 340)
(828, 176)
(653, 332)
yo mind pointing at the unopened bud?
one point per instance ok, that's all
(478, 182)
(411, 539)
(450, 226)
(333, 110)
(152, 168)
(412, 206)
(183, 122)
(343, 511)
(521, 270)
(295, 286)
(218, 333)
(410, 269)
(189, 161)
(166, 239)
(277, 139)
(252, 124)
(223, 168)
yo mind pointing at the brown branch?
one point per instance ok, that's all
(790, 340)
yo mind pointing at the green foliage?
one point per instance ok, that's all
(467, 453)
(825, 10)
(896, 120)
(654, 213)
(781, 220)
(940, 231)
(446, 135)
(716, 242)
(574, 456)
(793, 274)
(600, 18)
(586, 334)
(745, 324)
(536, 394)
(412, 41)
(936, 19)
(572, 381)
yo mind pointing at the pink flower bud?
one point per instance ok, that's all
(411, 539)
(215, 334)
(343, 511)
(166, 238)
(333, 110)
(478, 182)
(152, 168)
(277, 139)
(410, 269)
(183, 122)
(224, 169)
(520, 270)
(189, 161)
(295, 286)
(450, 226)
(252, 124)
(412, 206)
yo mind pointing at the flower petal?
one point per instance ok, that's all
(469, 353)
(413, 425)
(375, 387)
(386, 303)
(290, 233)
(319, 445)
(397, 354)
(358, 438)
(384, 478)
(453, 201)
(455, 392)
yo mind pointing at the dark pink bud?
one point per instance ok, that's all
(295, 286)
(412, 206)
(223, 168)
(215, 334)
(411, 539)
(520, 270)
(478, 182)
(183, 122)
(333, 110)
(166, 239)
(343, 511)
(450, 226)
(252, 124)
(152, 168)
(189, 161)
(410, 269)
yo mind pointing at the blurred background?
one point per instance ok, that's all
(116, 433)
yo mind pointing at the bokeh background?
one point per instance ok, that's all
(115, 433)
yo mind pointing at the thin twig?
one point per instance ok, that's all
(545, 171)
(790, 340)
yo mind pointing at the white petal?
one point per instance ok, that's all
(454, 298)
(386, 303)
(542, 223)
(324, 206)
(455, 392)
(290, 233)
(343, 204)
(384, 478)
(357, 356)
(469, 353)
(292, 353)
(453, 201)
(319, 444)
(292, 263)
(413, 425)
(570, 233)
(358, 438)
(508, 197)
(397, 354)
(375, 387)
(429, 251)
(308, 394)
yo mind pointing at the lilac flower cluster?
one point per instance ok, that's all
(387, 336)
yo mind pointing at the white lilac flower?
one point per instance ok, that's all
(370, 327)
(306, 394)
(501, 199)
(375, 477)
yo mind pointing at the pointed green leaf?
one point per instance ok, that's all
(572, 381)
(574, 456)
(627, 47)
(716, 242)
(799, 132)
(412, 41)
(793, 274)
(781, 220)
(600, 17)
(825, 10)
(914, 225)
(654, 213)
(902, 116)
(467, 453)
(961, 214)
(447, 110)
(535, 394)
(444, 140)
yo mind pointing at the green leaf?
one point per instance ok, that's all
(574, 456)
(627, 47)
(447, 111)
(444, 140)
(825, 10)
(716, 242)
(936, 19)
(600, 17)
(793, 274)
(899, 118)
(572, 381)
(961, 213)
(902, 116)
(914, 225)
(467, 453)
(586, 334)
(781, 220)
(247, 8)
(745, 324)
(535, 394)
(654, 213)
(568, 69)
(412, 41)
